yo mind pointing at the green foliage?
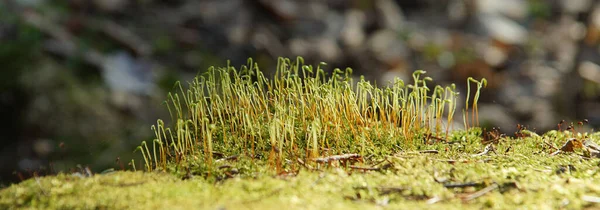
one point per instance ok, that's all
(300, 114)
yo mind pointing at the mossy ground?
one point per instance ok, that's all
(521, 173)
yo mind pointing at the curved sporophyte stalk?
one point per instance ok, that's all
(302, 113)
(451, 95)
(145, 155)
(438, 107)
(475, 111)
(418, 95)
(424, 111)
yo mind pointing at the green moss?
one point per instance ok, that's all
(526, 174)
(300, 114)
(241, 141)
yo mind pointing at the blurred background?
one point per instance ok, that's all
(81, 81)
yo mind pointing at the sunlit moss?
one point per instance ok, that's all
(300, 114)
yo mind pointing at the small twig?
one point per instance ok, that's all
(543, 170)
(381, 166)
(568, 146)
(438, 139)
(509, 185)
(433, 200)
(400, 148)
(550, 145)
(233, 157)
(481, 192)
(591, 199)
(593, 153)
(453, 161)
(365, 168)
(463, 185)
(385, 190)
(225, 166)
(380, 162)
(429, 151)
(215, 153)
(337, 158)
(108, 171)
(591, 145)
(487, 149)
(390, 190)
(304, 164)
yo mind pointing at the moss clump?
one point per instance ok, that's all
(301, 114)
(307, 141)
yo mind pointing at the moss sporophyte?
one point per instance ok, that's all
(299, 115)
